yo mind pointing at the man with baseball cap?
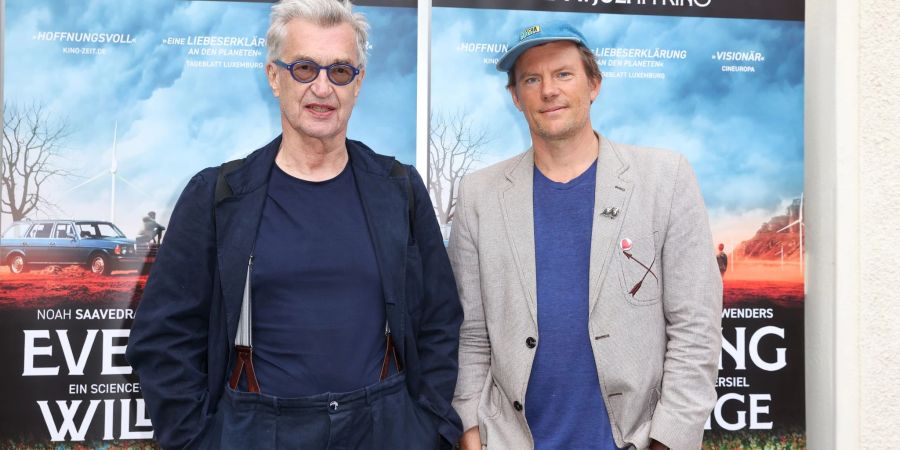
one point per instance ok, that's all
(592, 303)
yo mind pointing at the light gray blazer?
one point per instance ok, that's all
(656, 352)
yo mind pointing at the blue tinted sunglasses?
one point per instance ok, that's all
(304, 71)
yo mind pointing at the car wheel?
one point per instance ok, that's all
(99, 264)
(17, 264)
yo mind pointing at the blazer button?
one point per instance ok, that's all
(517, 405)
(530, 342)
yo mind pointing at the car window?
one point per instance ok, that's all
(86, 230)
(16, 230)
(108, 230)
(62, 231)
(40, 230)
(98, 230)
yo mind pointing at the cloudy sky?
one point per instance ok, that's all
(174, 120)
(742, 132)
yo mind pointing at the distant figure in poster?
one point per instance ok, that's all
(152, 231)
(337, 253)
(722, 260)
(592, 305)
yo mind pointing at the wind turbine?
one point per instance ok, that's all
(113, 168)
(733, 260)
(800, 227)
(781, 252)
(113, 173)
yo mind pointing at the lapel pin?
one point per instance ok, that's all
(610, 212)
(625, 244)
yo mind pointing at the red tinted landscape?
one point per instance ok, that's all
(69, 286)
(762, 282)
(763, 293)
(750, 283)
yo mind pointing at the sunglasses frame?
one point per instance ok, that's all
(290, 69)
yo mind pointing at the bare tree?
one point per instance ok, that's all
(454, 145)
(31, 145)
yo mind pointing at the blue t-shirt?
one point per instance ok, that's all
(563, 405)
(318, 310)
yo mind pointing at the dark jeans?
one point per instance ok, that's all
(380, 416)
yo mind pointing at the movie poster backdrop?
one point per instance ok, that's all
(719, 81)
(110, 107)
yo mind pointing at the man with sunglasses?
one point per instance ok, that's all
(304, 298)
(592, 301)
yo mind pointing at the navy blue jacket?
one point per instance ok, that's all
(182, 339)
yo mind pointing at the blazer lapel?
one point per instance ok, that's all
(517, 204)
(613, 190)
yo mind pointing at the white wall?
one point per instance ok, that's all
(852, 170)
(879, 200)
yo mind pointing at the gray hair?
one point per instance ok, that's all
(325, 13)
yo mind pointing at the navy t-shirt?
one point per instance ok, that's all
(318, 310)
(563, 405)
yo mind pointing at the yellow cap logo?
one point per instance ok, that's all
(529, 31)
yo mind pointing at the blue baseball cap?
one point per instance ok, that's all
(537, 34)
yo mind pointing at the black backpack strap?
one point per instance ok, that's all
(243, 350)
(399, 170)
(223, 191)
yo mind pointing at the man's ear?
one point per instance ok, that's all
(595, 88)
(358, 82)
(272, 77)
(515, 97)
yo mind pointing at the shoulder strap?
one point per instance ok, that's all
(222, 189)
(243, 339)
(399, 170)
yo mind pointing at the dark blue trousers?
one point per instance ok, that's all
(378, 417)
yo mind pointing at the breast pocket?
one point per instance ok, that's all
(639, 269)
